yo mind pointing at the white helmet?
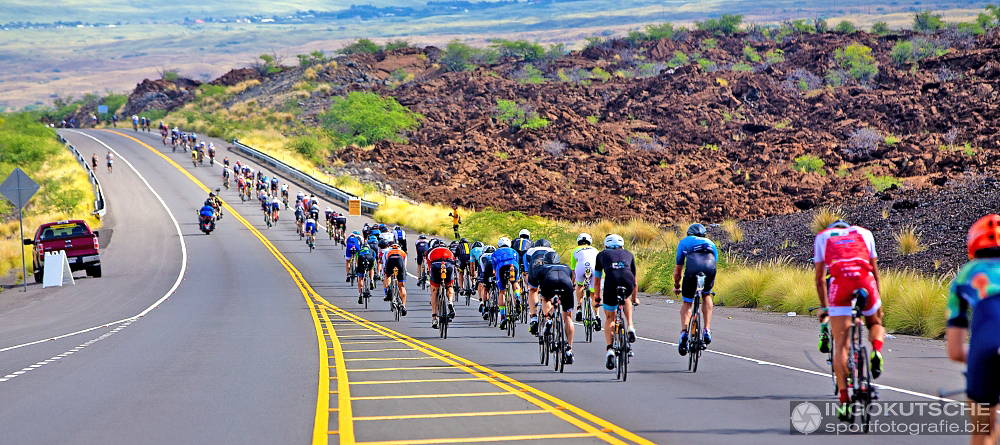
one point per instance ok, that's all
(584, 237)
(503, 242)
(524, 233)
(614, 241)
(329, 210)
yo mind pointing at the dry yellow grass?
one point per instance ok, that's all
(908, 241)
(824, 217)
(733, 230)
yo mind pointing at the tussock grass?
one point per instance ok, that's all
(824, 217)
(733, 230)
(914, 304)
(908, 241)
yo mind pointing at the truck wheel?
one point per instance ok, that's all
(94, 271)
(38, 275)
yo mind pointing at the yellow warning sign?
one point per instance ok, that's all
(354, 207)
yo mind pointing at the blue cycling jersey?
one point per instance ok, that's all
(476, 253)
(502, 257)
(207, 211)
(693, 244)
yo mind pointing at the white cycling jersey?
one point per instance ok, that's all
(584, 257)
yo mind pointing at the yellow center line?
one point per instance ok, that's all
(373, 359)
(321, 418)
(480, 439)
(434, 396)
(593, 426)
(390, 382)
(413, 368)
(347, 351)
(446, 415)
(370, 342)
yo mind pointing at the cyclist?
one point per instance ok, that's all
(365, 268)
(310, 228)
(340, 222)
(386, 235)
(617, 268)
(521, 245)
(400, 237)
(696, 254)
(463, 253)
(352, 246)
(211, 153)
(974, 308)
(583, 261)
(438, 258)
(207, 213)
(275, 209)
(274, 185)
(486, 276)
(555, 278)
(300, 217)
(284, 194)
(455, 219)
(395, 263)
(848, 254)
(422, 246)
(535, 256)
(475, 253)
(505, 264)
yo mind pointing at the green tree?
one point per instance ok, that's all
(728, 24)
(925, 21)
(362, 46)
(880, 28)
(845, 27)
(519, 49)
(857, 59)
(457, 56)
(365, 118)
(518, 116)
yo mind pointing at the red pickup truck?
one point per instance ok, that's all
(73, 236)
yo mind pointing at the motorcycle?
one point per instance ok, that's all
(206, 224)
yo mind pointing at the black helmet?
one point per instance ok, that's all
(543, 243)
(839, 224)
(382, 244)
(489, 249)
(209, 202)
(464, 240)
(697, 229)
(477, 244)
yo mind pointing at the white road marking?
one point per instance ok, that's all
(123, 323)
(165, 296)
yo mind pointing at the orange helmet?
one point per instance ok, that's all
(984, 234)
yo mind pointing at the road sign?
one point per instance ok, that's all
(18, 188)
(56, 270)
(102, 108)
(354, 207)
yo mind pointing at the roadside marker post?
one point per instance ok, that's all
(57, 276)
(18, 188)
(354, 207)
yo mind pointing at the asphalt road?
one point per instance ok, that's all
(232, 355)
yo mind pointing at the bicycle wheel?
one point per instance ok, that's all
(543, 350)
(560, 337)
(588, 319)
(443, 313)
(619, 349)
(368, 292)
(694, 330)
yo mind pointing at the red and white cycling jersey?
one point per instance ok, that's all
(848, 254)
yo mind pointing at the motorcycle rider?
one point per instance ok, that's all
(207, 214)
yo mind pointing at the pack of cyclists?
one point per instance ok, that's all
(530, 276)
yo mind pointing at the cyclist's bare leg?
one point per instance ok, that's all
(628, 310)
(706, 310)
(579, 297)
(568, 326)
(433, 299)
(685, 314)
(609, 320)
(402, 293)
(451, 294)
(532, 301)
(839, 327)
(979, 418)
(875, 329)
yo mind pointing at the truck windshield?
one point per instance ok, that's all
(57, 231)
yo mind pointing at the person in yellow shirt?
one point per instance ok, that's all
(455, 219)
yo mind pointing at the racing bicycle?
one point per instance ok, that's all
(695, 338)
(395, 302)
(619, 337)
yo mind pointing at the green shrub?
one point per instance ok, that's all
(891, 140)
(706, 64)
(269, 64)
(925, 21)
(170, 76)
(709, 43)
(809, 164)
(518, 49)
(593, 119)
(314, 58)
(679, 59)
(834, 78)
(776, 55)
(883, 183)
(915, 50)
(857, 59)
(970, 28)
(308, 146)
(728, 24)
(361, 46)
(395, 44)
(365, 118)
(845, 27)
(880, 28)
(600, 74)
(461, 57)
(519, 116)
(802, 26)
(741, 67)
(653, 32)
(113, 102)
(531, 75)
(751, 54)
(154, 114)
(209, 90)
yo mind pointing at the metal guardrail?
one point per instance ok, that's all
(99, 208)
(367, 207)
